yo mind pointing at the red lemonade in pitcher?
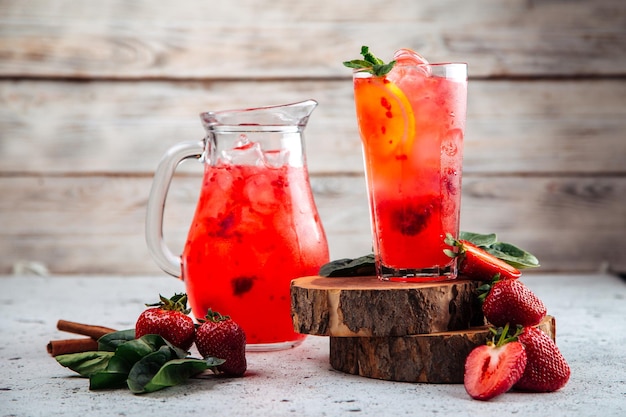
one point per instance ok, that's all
(256, 226)
(261, 225)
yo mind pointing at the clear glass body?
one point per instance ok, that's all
(412, 124)
(256, 226)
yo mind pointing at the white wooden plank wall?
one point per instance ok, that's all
(93, 93)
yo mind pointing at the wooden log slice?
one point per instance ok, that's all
(366, 306)
(434, 358)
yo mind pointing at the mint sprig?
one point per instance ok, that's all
(370, 63)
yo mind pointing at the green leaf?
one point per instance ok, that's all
(513, 255)
(369, 57)
(126, 357)
(171, 373)
(383, 69)
(133, 350)
(130, 352)
(119, 363)
(85, 363)
(481, 240)
(145, 369)
(162, 369)
(357, 63)
(363, 266)
(111, 341)
(107, 379)
(146, 364)
(370, 63)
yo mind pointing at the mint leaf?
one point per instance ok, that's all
(370, 63)
(383, 69)
(369, 57)
(357, 63)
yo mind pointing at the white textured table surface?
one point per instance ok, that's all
(591, 332)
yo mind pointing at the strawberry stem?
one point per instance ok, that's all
(213, 316)
(178, 302)
(503, 335)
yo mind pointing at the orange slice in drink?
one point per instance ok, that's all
(385, 116)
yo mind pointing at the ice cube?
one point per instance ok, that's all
(409, 64)
(277, 158)
(249, 153)
(260, 191)
(451, 142)
(408, 57)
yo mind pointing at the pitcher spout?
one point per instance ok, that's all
(294, 115)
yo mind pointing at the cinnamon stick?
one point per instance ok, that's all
(62, 347)
(95, 332)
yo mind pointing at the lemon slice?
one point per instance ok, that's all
(385, 116)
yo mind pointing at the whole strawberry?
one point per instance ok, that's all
(220, 337)
(546, 368)
(169, 319)
(511, 302)
(492, 369)
(478, 264)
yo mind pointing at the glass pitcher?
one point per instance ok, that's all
(256, 226)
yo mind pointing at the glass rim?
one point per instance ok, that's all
(430, 64)
(454, 70)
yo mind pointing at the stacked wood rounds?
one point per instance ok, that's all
(398, 331)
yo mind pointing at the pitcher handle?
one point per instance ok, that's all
(161, 254)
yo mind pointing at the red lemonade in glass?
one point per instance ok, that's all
(261, 224)
(412, 122)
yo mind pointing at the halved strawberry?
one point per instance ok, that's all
(478, 264)
(494, 368)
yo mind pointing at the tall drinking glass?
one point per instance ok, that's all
(412, 123)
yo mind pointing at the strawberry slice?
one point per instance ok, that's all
(494, 368)
(478, 264)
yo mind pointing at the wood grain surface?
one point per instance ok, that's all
(92, 95)
(433, 358)
(369, 307)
